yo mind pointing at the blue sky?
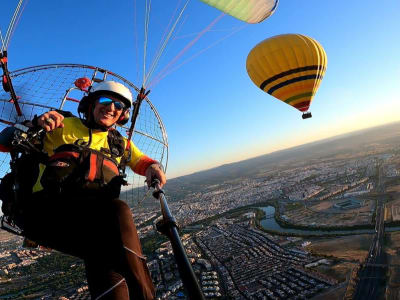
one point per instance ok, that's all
(212, 111)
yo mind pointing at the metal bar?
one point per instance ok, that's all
(30, 103)
(169, 228)
(19, 72)
(6, 122)
(65, 97)
(6, 76)
(150, 137)
(139, 99)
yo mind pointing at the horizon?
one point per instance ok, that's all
(292, 147)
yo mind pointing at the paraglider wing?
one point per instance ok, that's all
(289, 67)
(250, 11)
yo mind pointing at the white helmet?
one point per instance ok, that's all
(113, 87)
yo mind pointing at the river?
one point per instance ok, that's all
(269, 223)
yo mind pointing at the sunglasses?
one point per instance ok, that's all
(107, 101)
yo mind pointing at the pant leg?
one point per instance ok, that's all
(100, 231)
(127, 261)
(104, 283)
(134, 266)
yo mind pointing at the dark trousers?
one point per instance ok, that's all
(101, 232)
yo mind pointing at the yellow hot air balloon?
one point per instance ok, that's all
(250, 11)
(289, 67)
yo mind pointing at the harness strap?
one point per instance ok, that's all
(133, 252)
(64, 155)
(110, 289)
(93, 167)
(110, 165)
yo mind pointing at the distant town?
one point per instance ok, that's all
(335, 207)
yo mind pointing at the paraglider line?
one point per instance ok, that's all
(2, 42)
(167, 27)
(214, 30)
(12, 23)
(152, 68)
(190, 44)
(136, 40)
(17, 22)
(146, 30)
(167, 72)
(181, 25)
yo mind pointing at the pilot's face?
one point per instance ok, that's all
(107, 110)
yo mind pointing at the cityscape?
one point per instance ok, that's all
(213, 150)
(319, 221)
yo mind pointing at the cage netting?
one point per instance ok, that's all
(47, 87)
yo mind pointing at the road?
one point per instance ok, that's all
(372, 272)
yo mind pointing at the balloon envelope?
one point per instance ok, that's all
(289, 67)
(250, 11)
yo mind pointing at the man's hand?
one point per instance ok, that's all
(50, 120)
(154, 171)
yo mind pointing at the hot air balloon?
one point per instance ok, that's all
(289, 67)
(250, 11)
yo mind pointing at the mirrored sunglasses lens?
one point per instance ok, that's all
(119, 105)
(105, 101)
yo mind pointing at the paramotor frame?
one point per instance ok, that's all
(46, 87)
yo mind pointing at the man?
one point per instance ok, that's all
(74, 206)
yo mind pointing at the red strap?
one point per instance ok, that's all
(93, 167)
(64, 155)
(111, 165)
(6, 88)
(4, 148)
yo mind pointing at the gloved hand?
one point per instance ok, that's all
(155, 171)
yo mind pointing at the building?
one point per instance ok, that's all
(349, 204)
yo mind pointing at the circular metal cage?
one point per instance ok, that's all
(48, 87)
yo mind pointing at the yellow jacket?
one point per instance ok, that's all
(74, 130)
